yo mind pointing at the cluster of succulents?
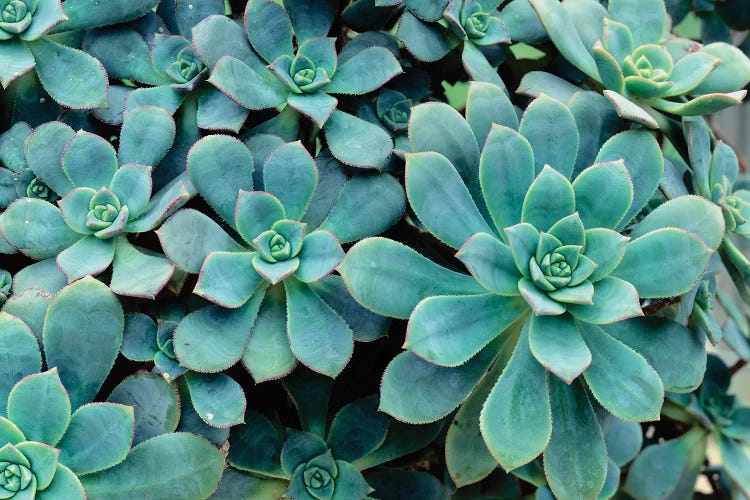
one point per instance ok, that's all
(372, 249)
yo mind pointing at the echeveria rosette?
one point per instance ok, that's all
(276, 278)
(714, 417)
(322, 460)
(104, 200)
(553, 274)
(304, 79)
(217, 398)
(715, 171)
(17, 180)
(174, 74)
(473, 23)
(625, 48)
(72, 77)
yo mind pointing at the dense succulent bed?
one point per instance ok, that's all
(393, 249)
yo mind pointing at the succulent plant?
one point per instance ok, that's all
(429, 30)
(104, 198)
(713, 415)
(321, 461)
(277, 280)
(626, 49)
(563, 261)
(304, 78)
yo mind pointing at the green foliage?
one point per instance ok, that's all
(519, 210)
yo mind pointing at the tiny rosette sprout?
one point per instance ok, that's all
(15, 16)
(471, 21)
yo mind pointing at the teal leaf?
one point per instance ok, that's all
(633, 391)
(44, 150)
(189, 236)
(537, 83)
(540, 302)
(402, 439)
(604, 193)
(147, 134)
(491, 263)
(597, 121)
(449, 330)
(390, 278)
(19, 348)
(614, 300)
(132, 186)
(676, 352)
(478, 67)
(669, 468)
(217, 36)
(212, 339)
(555, 146)
(624, 439)
(736, 462)
(258, 446)
(349, 220)
(425, 41)
(364, 72)
(606, 248)
(610, 72)
(318, 337)
(194, 470)
(435, 391)
(557, 344)
(647, 21)
(488, 105)
(155, 403)
(238, 485)
(290, 175)
(15, 60)
(320, 254)
(356, 142)
(88, 256)
(690, 71)
(82, 337)
(83, 14)
(694, 214)
(138, 272)
(114, 425)
(549, 199)
(317, 106)
(506, 170)
(441, 200)
(73, 78)
(300, 447)
(41, 390)
(311, 18)
(311, 394)
(89, 161)
(139, 337)
(217, 398)
(75, 207)
(438, 127)
(349, 482)
(216, 111)
(228, 278)
(516, 420)
(220, 167)
(277, 271)
(357, 429)
(246, 86)
(65, 484)
(664, 263)
(267, 355)
(629, 110)
(575, 461)
(523, 240)
(269, 29)
(564, 35)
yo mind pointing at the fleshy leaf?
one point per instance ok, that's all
(557, 344)
(147, 134)
(42, 390)
(228, 278)
(491, 263)
(555, 146)
(604, 193)
(357, 429)
(320, 254)
(82, 337)
(217, 398)
(89, 161)
(549, 199)
(356, 142)
(290, 175)
(19, 348)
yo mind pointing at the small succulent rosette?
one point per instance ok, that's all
(430, 30)
(72, 77)
(275, 298)
(550, 274)
(714, 417)
(626, 48)
(174, 74)
(48, 454)
(322, 461)
(216, 398)
(105, 196)
(303, 78)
